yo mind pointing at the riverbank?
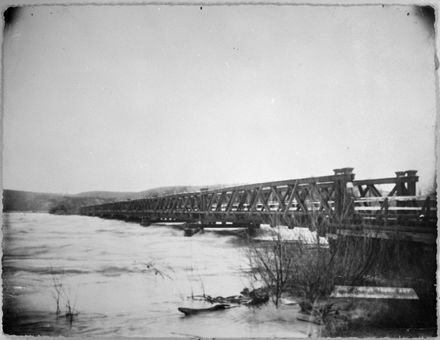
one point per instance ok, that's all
(312, 273)
(380, 318)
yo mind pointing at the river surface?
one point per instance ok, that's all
(127, 280)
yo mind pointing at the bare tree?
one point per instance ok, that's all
(307, 269)
(272, 263)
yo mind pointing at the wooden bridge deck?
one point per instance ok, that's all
(333, 205)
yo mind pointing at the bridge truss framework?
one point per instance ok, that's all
(333, 205)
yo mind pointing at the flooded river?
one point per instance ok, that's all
(127, 280)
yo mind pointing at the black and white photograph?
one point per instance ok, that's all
(219, 170)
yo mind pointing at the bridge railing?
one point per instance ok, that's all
(397, 206)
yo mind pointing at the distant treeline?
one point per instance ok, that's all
(14, 200)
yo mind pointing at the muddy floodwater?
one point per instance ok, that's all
(127, 280)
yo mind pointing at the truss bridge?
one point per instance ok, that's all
(335, 205)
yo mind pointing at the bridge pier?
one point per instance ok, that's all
(191, 229)
(146, 223)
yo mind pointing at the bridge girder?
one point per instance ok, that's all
(330, 204)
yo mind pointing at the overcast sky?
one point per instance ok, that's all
(132, 97)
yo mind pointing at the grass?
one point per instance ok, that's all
(59, 293)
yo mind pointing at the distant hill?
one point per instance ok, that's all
(15, 200)
(171, 190)
(160, 191)
(120, 195)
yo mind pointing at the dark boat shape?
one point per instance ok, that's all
(191, 311)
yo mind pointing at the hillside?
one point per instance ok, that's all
(121, 196)
(118, 195)
(15, 200)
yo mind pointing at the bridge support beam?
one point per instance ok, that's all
(344, 176)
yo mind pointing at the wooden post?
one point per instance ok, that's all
(400, 185)
(344, 176)
(412, 179)
(203, 198)
(204, 204)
